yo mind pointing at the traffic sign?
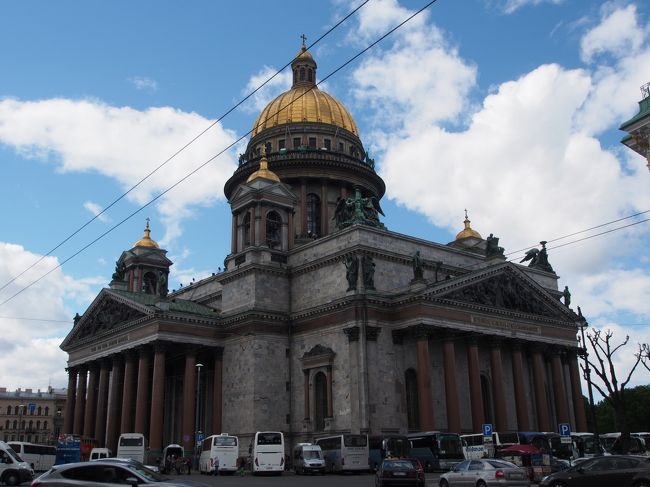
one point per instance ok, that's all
(565, 429)
(487, 430)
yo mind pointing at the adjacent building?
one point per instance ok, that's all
(323, 320)
(32, 416)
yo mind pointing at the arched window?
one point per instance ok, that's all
(273, 229)
(487, 399)
(295, 76)
(31, 424)
(302, 74)
(15, 424)
(320, 401)
(246, 223)
(44, 425)
(47, 410)
(7, 425)
(313, 215)
(39, 410)
(310, 75)
(16, 410)
(149, 283)
(412, 400)
(8, 409)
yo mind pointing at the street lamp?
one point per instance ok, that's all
(585, 355)
(20, 422)
(198, 413)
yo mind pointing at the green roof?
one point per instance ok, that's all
(175, 304)
(644, 111)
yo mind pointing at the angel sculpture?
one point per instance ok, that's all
(532, 255)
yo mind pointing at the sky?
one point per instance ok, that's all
(507, 108)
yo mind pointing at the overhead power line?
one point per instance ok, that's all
(190, 142)
(154, 199)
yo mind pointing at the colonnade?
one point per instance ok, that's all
(539, 356)
(125, 392)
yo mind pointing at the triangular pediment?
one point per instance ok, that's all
(106, 313)
(270, 188)
(506, 288)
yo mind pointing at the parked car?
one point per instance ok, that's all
(605, 471)
(103, 472)
(400, 472)
(485, 473)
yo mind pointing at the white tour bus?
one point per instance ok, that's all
(40, 457)
(268, 452)
(132, 445)
(345, 452)
(474, 445)
(219, 450)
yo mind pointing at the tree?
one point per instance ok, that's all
(610, 388)
(637, 408)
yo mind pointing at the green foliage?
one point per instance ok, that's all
(637, 406)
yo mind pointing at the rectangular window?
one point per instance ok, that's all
(281, 144)
(327, 144)
(296, 142)
(312, 142)
(341, 148)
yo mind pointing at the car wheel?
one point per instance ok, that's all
(11, 478)
(444, 483)
(480, 483)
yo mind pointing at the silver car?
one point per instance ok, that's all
(107, 473)
(485, 473)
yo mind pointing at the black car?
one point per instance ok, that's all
(400, 472)
(605, 471)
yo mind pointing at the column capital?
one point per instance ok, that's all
(352, 333)
(372, 332)
(421, 331)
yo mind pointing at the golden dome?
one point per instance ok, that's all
(146, 240)
(264, 171)
(468, 231)
(304, 104)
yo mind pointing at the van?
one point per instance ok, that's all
(308, 458)
(99, 453)
(13, 470)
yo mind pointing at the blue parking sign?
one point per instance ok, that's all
(565, 429)
(487, 430)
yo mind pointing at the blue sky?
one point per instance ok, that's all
(509, 108)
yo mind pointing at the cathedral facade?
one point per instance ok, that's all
(323, 320)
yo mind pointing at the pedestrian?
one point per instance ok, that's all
(216, 465)
(188, 462)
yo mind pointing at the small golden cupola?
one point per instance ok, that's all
(263, 172)
(468, 231)
(146, 240)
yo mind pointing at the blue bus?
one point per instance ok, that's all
(382, 446)
(436, 450)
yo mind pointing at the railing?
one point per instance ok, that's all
(310, 152)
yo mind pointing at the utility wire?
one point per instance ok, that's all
(154, 199)
(173, 156)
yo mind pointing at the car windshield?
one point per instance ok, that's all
(311, 455)
(501, 464)
(402, 465)
(144, 472)
(14, 454)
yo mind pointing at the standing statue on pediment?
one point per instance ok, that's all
(492, 246)
(368, 269)
(120, 269)
(162, 284)
(418, 268)
(352, 271)
(566, 294)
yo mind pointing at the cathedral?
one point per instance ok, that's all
(323, 320)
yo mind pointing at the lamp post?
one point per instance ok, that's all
(198, 415)
(20, 422)
(585, 355)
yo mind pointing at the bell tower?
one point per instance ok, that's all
(144, 268)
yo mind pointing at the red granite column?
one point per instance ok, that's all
(558, 388)
(217, 391)
(498, 389)
(68, 419)
(233, 237)
(424, 378)
(475, 393)
(305, 373)
(143, 394)
(324, 214)
(115, 403)
(91, 402)
(539, 378)
(126, 425)
(157, 399)
(520, 393)
(303, 208)
(451, 386)
(189, 400)
(102, 403)
(576, 390)
(80, 403)
(330, 404)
